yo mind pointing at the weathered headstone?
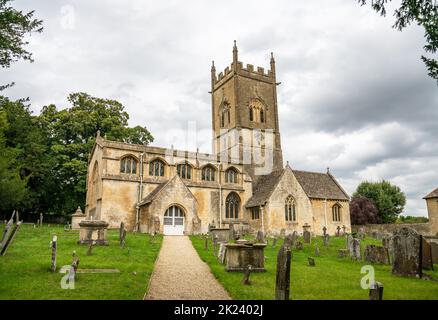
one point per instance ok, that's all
(343, 230)
(326, 240)
(324, 230)
(376, 291)
(355, 252)
(426, 255)
(311, 261)
(342, 253)
(338, 231)
(260, 237)
(222, 252)
(121, 228)
(282, 279)
(434, 248)
(376, 254)
(123, 237)
(282, 232)
(294, 237)
(299, 245)
(215, 245)
(306, 236)
(246, 274)
(54, 245)
(274, 242)
(206, 243)
(407, 252)
(316, 251)
(288, 241)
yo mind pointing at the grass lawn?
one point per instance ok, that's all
(331, 278)
(25, 274)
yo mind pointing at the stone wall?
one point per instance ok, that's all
(421, 228)
(322, 215)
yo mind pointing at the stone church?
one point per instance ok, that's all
(244, 181)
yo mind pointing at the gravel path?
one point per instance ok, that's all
(181, 274)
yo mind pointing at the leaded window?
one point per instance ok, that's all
(184, 170)
(128, 165)
(290, 213)
(232, 205)
(156, 168)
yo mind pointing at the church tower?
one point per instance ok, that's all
(245, 116)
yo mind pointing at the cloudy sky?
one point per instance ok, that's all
(354, 95)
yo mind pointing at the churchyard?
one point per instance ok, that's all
(330, 278)
(116, 271)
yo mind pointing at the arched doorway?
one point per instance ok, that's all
(174, 221)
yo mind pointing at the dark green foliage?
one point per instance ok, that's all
(46, 156)
(411, 219)
(14, 25)
(388, 198)
(422, 12)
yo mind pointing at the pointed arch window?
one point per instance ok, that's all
(336, 212)
(231, 175)
(156, 168)
(232, 205)
(128, 165)
(208, 173)
(290, 213)
(184, 170)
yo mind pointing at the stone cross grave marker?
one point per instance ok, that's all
(246, 274)
(338, 231)
(311, 261)
(324, 230)
(282, 279)
(426, 255)
(376, 254)
(54, 247)
(376, 291)
(260, 237)
(407, 252)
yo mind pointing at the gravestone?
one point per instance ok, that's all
(354, 249)
(215, 245)
(222, 252)
(122, 227)
(206, 243)
(342, 253)
(388, 243)
(282, 279)
(324, 230)
(41, 219)
(260, 237)
(311, 261)
(316, 251)
(122, 238)
(306, 236)
(288, 241)
(343, 230)
(376, 254)
(376, 291)
(326, 240)
(246, 275)
(434, 248)
(294, 236)
(349, 242)
(407, 252)
(231, 231)
(282, 232)
(274, 242)
(426, 255)
(338, 231)
(53, 245)
(299, 245)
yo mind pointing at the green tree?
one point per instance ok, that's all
(71, 135)
(422, 12)
(388, 198)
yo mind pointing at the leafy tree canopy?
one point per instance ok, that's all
(363, 211)
(422, 12)
(388, 198)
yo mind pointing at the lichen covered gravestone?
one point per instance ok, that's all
(407, 252)
(426, 255)
(282, 279)
(376, 254)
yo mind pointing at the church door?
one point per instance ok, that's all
(174, 221)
